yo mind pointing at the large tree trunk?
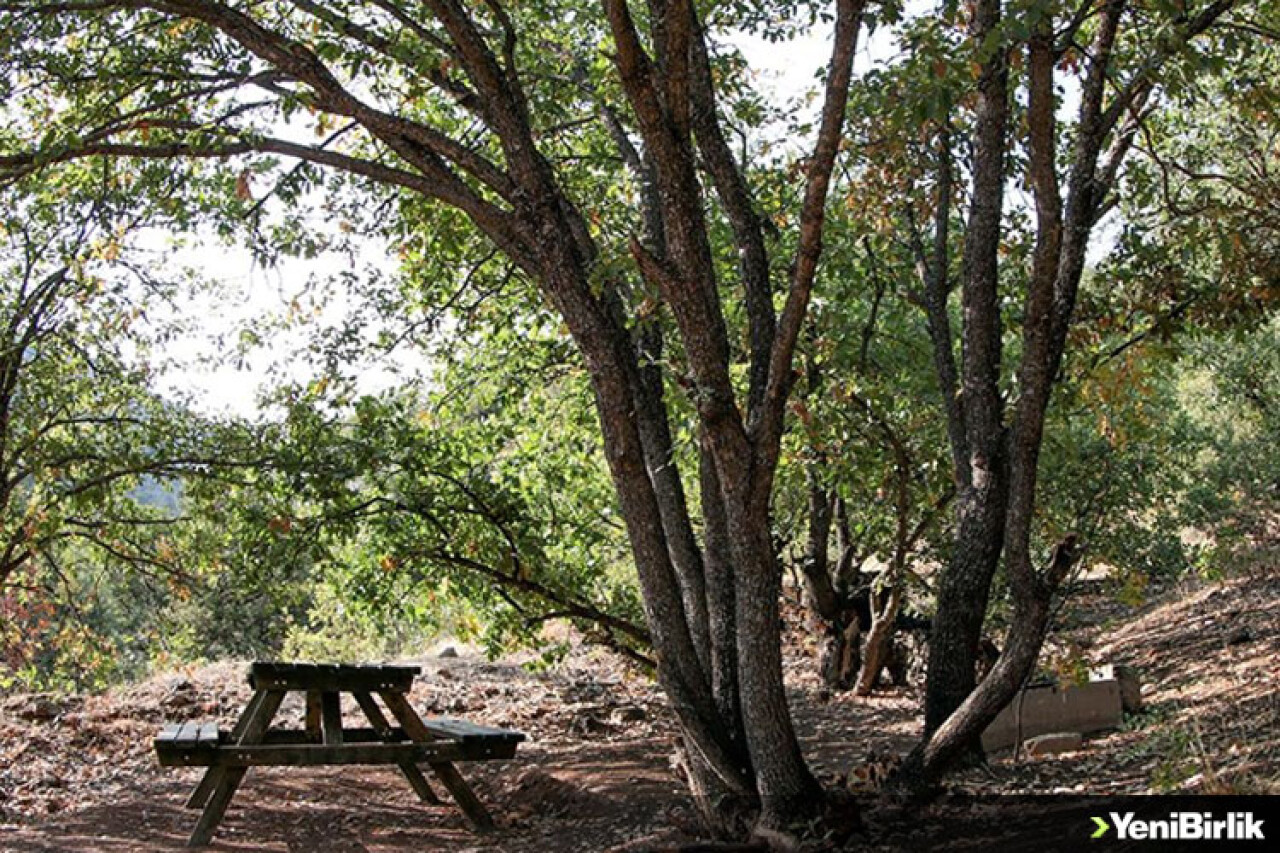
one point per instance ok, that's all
(963, 593)
(996, 468)
(787, 789)
(979, 457)
(713, 616)
(722, 608)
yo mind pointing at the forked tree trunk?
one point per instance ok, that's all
(841, 632)
(879, 640)
(996, 464)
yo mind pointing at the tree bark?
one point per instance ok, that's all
(980, 471)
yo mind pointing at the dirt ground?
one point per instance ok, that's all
(77, 772)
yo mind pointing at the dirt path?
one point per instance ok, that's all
(77, 774)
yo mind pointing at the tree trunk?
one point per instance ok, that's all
(726, 813)
(879, 641)
(841, 654)
(963, 594)
(841, 631)
(787, 789)
(722, 608)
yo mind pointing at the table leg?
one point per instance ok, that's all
(255, 726)
(444, 770)
(331, 718)
(411, 772)
(313, 718)
(200, 795)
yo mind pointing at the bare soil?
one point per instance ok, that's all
(77, 772)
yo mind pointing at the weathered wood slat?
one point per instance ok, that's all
(200, 796)
(194, 754)
(167, 734)
(314, 755)
(282, 737)
(331, 677)
(331, 718)
(176, 745)
(469, 732)
(313, 717)
(228, 779)
(250, 710)
(187, 736)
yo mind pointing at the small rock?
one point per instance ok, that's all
(39, 708)
(587, 723)
(448, 652)
(628, 714)
(1053, 743)
(1240, 636)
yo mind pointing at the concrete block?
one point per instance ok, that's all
(1130, 684)
(1045, 710)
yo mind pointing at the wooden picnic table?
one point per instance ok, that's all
(325, 740)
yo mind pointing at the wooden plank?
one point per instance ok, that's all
(230, 778)
(364, 734)
(246, 715)
(313, 717)
(376, 718)
(315, 755)
(187, 736)
(331, 718)
(469, 732)
(205, 789)
(188, 741)
(386, 732)
(445, 772)
(167, 734)
(343, 678)
(487, 750)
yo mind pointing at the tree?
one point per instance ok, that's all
(468, 108)
(1116, 52)
(82, 436)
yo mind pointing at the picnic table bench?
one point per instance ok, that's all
(325, 740)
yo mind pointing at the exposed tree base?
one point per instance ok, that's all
(831, 818)
(841, 656)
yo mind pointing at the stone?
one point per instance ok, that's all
(39, 708)
(1053, 743)
(448, 652)
(1240, 636)
(628, 714)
